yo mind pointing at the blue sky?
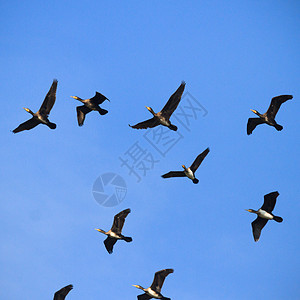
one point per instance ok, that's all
(234, 57)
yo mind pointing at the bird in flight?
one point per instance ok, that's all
(154, 291)
(115, 233)
(269, 116)
(89, 105)
(264, 214)
(163, 117)
(189, 172)
(41, 116)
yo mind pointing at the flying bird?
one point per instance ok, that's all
(154, 290)
(114, 233)
(41, 116)
(62, 293)
(264, 214)
(89, 105)
(269, 116)
(163, 117)
(189, 172)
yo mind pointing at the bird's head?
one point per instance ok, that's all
(100, 230)
(184, 167)
(251, 210)
(75, 97)
(28, 110)
(138, 286)
(255, 111)
(150, 109)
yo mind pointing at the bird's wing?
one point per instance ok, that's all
(49, 99)
(29, 124)
(173, 102)
(159, 279)
(98, 98)
(81, 112)
(276, 103)
(119, 221)
(109, 244)
(257, 225)
(173, 174)
(150, 123)
(197, 162)
(62, 293)
(144, 297)
(270, 201)
(252, 123)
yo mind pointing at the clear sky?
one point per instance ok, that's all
(234, 56)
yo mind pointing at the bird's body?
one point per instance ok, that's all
(163, 117)
(62, 293)
(89, 105)
(154, 291)
(269, 116)
(114, 233)
(264, 214)
(41, 116)
(189, 172)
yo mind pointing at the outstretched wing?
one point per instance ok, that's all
(109, 244)
(159, 279)
(49, 99)
(144, 297)
(276, 103)
(173, 102)
(98, 98)
(173, 174)
(31, 123)
(252, 123)
(257, 225)
(81, 112)
(119, 221)
(150, 123)
(270, 201)
(62, 293)
(197, 162)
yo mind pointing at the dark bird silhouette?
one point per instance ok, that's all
(41, 116)
(163, 117)
(154, 291)
(269, 116)
(62, 293)
(114, 233)
(189, 172)
(264, 214)
(89, 105)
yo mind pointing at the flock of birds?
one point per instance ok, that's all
(264, 214)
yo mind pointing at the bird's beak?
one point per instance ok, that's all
(73, 97)
(183, 166)
(247, 210)
(135, 285)
(97, 229)
(148, 108)
(26, 109)
(253, 111)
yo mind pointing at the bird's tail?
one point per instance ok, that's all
(278, 127)
(173, 127)
(102, 111)
(127, 239)
(195, 180)
(277, 219)
(51, 125)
